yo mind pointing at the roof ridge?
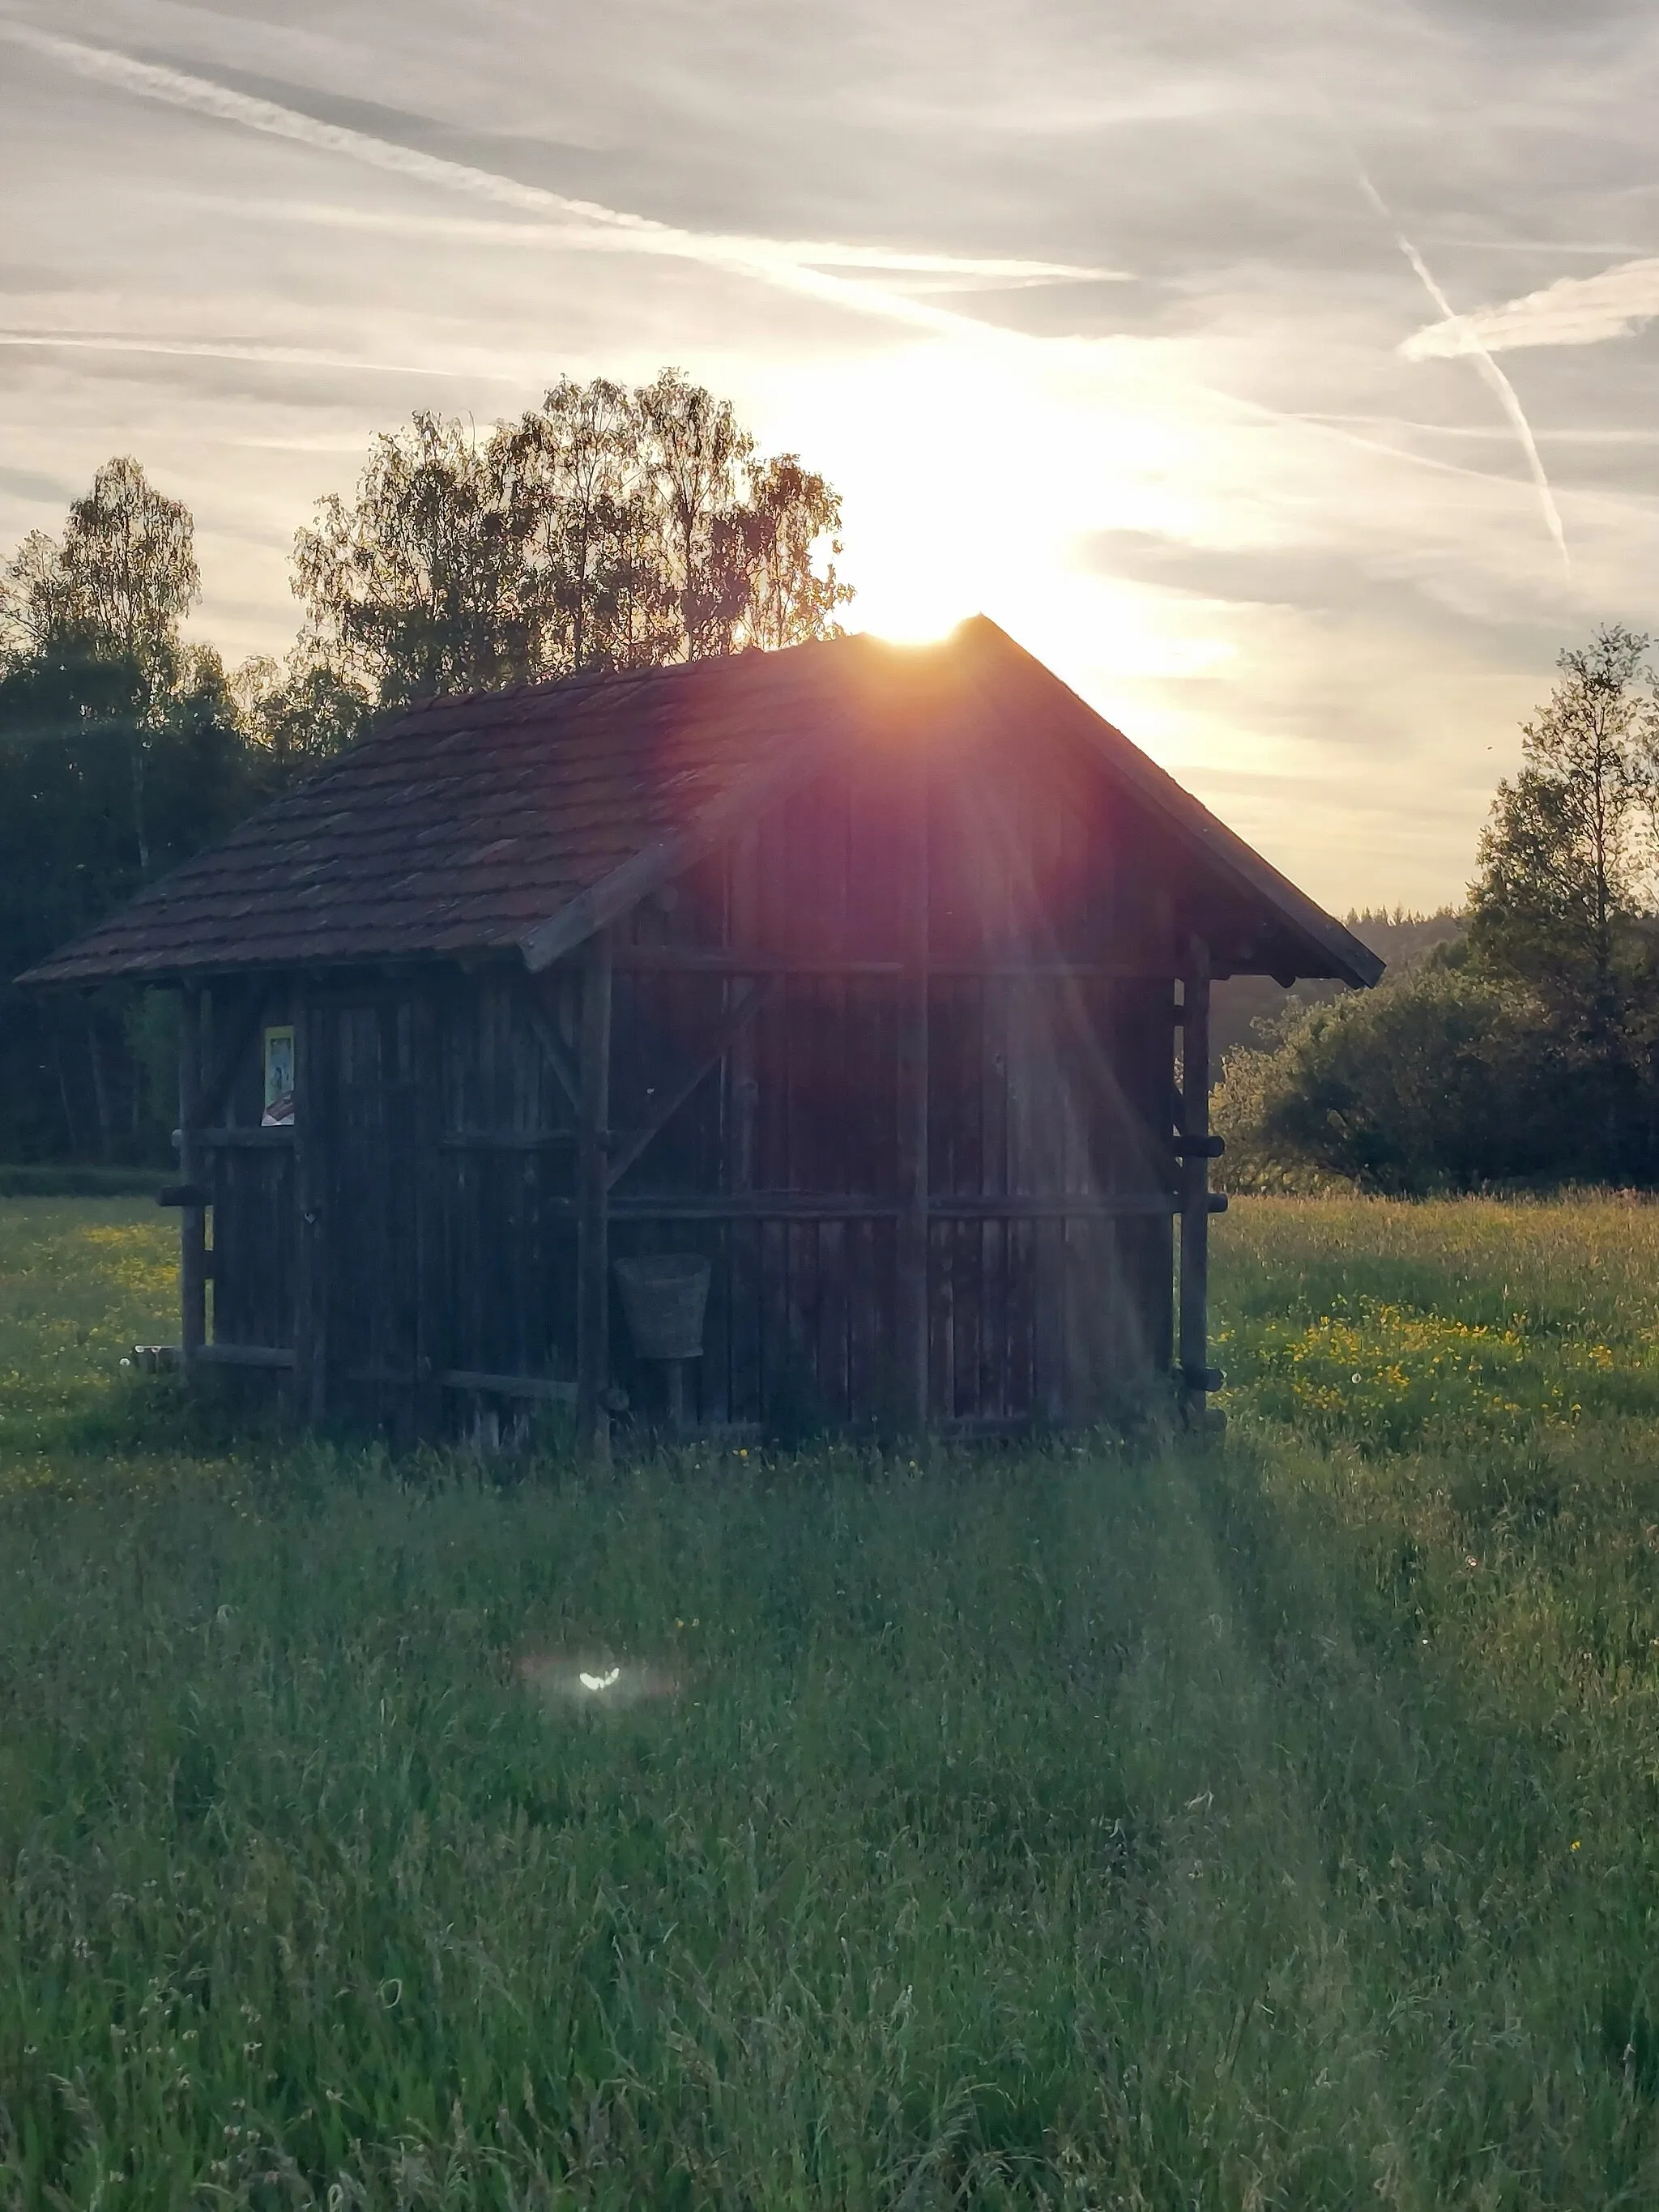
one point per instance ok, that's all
(579, 679)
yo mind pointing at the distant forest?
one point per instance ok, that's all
(608, 528)
(1513, 1042)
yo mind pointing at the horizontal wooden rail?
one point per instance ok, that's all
(510, 1386)
(506, 1141)
(798, 1206)
(692, 960)
(245, 1355)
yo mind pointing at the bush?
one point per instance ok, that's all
(1439, 1079)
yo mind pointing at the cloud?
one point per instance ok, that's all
(1573, 312)
(802, 265)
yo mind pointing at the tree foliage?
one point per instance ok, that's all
(1567, 862)
(607, 528)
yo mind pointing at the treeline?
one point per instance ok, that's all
(1522, 1048)
(610, 527)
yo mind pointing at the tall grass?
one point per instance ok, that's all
(1268, 1827)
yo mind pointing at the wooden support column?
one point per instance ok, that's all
(1196, 1378)
(910, 1351)
(192, 1163)
(310, 1299)
(593, 1207)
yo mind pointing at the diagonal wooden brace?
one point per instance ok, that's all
(563, 1068)
(737, 1018)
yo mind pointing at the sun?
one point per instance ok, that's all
(910, 605)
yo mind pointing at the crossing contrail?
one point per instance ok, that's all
(1472, 345)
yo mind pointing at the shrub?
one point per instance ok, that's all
(1439, 1079)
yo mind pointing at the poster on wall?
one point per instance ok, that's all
(279, 1080)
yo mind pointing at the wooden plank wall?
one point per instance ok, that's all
(451, 1230)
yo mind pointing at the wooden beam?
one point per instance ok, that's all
(506, 1141)
(246, 1355)
(593, 1221)
(1196, 1376)
(547, 1388)
(1133, 965)
(192, 1219)
(737, 1018)
(696, 960)
(806, 1205)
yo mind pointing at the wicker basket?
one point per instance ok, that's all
(664, 1297)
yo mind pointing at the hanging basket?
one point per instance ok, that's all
(664, 1297)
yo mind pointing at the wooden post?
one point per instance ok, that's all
(193, 1219)
(1194, 1349)
(593, 1208)
(910, 1351)
(311, 1391)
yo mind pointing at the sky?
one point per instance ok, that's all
(1283, 376)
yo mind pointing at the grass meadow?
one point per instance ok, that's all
(1266, 1825)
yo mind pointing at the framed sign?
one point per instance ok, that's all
(279, 1079)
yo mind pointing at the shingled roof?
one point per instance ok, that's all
(517, 822)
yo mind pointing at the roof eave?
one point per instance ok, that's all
(1337, 954)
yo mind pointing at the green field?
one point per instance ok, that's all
(1270, 1825)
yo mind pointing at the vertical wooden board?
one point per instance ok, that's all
(806, 1306)
(1093, 1350)
(868, 1162)
(1025, 1403)
(832, 1300)
(771, 1100)
(1049, 1323)
(842, 1074)
(1017, 1090)
(968, 1319)
(744, 1355)
(711, 1388)
(311, 1196)
(595, 1292)
(873, 865)
(864, 1380)
(992, 1073)
(943, 1084)
(431, 1317)
(939, 1317)
(774, 1303)
(994, 1381)
(740, 1086)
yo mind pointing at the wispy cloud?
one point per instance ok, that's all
(799, 265)
(1574, 311)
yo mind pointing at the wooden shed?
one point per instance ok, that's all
(859, 973)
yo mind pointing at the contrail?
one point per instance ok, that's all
(799, 266)
(1476, 350)
(277, 356)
